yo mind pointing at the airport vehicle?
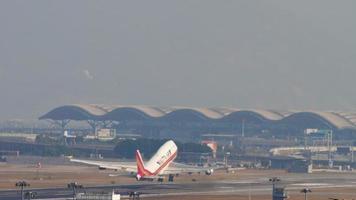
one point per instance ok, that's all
(160, 165)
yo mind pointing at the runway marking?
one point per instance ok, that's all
(311, 184)
(225, 187)
(231, 191)
(242, 181)
(321, 187)
(113, 175)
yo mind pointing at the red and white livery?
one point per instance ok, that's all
(159, 161)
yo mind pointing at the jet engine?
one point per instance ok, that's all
(209, 171)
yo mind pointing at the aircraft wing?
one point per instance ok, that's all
(131, 167)
(120, 166)
(176, 168)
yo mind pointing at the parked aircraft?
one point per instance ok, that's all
(67, 135)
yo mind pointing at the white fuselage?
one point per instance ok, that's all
(162, 158)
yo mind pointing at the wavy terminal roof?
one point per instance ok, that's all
(339, 120)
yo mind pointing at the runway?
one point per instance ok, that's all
(292, 182)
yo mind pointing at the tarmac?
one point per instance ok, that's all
(246, 186)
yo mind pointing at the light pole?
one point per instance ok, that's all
(305, 191)
(22, 184)
(330, 144)
(226, 155)
(243, 128)
(30, 195)
(134, 195)
(74, 186)
(274, 180)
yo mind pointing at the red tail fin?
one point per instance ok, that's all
(140, 165)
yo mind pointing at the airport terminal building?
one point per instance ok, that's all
(189, 123)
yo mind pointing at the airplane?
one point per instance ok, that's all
(160, 164)
(68, 138)
(67, 135)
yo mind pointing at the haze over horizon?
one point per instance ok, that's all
(245, 54)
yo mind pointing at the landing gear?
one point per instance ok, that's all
(171, 178)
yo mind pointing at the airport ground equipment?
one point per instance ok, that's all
(22, 185)
(305, 191)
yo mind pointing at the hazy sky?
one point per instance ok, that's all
(248, 54)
